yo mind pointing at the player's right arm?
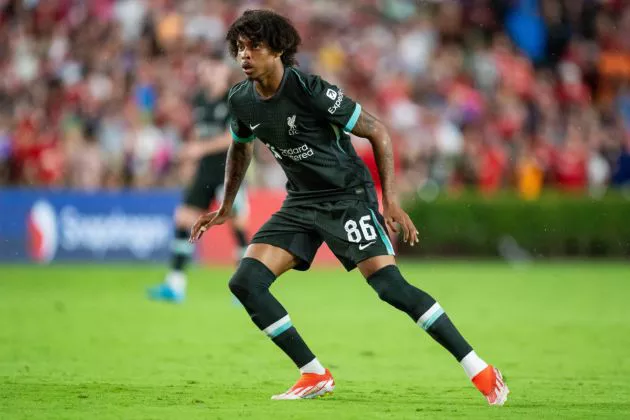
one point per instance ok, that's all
(238, 159)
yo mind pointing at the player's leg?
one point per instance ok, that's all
(259, 268)
(280, 245)
(385, 278)
(175, 282)
(239, 229)
(197, 198)
(357, 236)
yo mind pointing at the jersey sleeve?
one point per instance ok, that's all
(240, 132)
(332, 104)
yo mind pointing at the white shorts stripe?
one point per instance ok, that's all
(383, 234)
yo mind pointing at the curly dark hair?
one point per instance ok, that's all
(269, 27)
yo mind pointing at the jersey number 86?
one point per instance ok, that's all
(355, 235)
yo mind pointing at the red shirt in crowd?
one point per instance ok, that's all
(492, 168)
(570, 168)
(37, 156)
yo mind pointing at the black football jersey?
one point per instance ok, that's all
(305, 126)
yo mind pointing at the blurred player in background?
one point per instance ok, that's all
(209, 142)
(304, 121)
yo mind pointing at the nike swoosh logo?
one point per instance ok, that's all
(253, 127)
(363, 246)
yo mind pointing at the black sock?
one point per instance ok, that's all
(181, 249)
(293, 346)
(250, 284)
(444, 332)
(241, 238)
(421, 307)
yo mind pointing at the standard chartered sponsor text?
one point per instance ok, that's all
(297, 153)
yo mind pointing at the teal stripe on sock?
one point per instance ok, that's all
(282, 328)
(427, 324)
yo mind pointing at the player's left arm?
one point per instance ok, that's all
(369, 127)
(331, 104)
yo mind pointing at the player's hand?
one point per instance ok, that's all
(393, 215)
(206, 221)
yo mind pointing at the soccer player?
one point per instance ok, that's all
(331, 198)
(208, 144)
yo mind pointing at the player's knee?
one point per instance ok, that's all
(252, 278)
(389, 284)
(392, 288)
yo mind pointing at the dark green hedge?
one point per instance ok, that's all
(550, 226)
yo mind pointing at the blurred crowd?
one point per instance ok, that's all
(478, 94)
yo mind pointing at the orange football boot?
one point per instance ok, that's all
(310, 385)
(490, 382)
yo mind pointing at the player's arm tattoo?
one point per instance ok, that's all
(238, 159)
(371, 128)
(366, 125)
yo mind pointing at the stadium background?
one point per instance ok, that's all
(495, 97)
(511, 126)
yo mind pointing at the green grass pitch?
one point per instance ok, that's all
(82, 342)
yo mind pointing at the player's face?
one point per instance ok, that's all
(256, 59)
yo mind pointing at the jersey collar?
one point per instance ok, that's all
(257, 96)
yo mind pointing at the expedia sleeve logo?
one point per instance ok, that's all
(339, 99)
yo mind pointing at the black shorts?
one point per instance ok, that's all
(207, 186)
(354, 230)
